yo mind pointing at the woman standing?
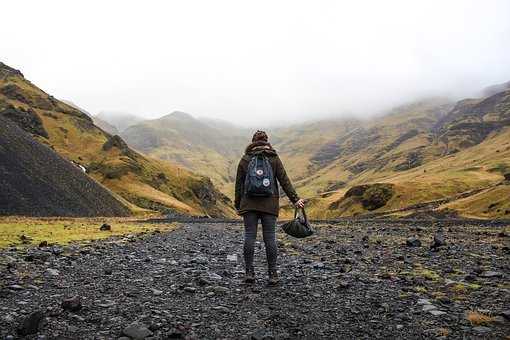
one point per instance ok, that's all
(257, 198)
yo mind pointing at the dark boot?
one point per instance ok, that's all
(250, 276)
(273, 277)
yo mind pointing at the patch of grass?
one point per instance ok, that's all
(462, 288)
(64, 231)
(476, 318)
(425, 273)
(420, 289)
(442, 332)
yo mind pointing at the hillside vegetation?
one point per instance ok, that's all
(432, 155)
(144, 184)
(205, 147)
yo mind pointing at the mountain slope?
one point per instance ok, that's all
(425, 153)
(192, 143)
(146, 183)
(35, 180)
(421, 153)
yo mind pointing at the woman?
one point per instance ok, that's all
(261, 206)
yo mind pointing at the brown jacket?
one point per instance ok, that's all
(269, 205)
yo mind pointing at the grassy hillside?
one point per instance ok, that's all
(432, 154)
(205, 147)
(145, 183)
(429, 157)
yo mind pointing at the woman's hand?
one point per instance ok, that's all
(300, 204)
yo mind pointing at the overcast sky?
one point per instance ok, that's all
(252, 61)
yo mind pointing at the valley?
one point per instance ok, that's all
(431, 150)
(437, 155)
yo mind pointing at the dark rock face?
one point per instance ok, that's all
(28, 120)
(7, 71)
(117, 142)
(472, 120)
(401, 139)
(14, 92)
(413, 160)
(36, 181)
(507, 176)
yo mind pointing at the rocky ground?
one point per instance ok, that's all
(361, 280)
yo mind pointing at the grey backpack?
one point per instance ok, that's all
(259, 181)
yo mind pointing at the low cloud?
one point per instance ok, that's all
(259, 61)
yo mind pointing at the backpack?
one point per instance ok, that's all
(259, 181)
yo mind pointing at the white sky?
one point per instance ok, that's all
(252, 61)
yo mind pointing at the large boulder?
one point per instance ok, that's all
(372, 196)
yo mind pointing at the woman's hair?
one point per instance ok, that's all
(259, 136)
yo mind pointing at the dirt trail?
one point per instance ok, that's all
(352, 280)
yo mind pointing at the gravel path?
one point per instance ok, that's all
(353, 280)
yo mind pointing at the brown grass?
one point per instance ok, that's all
(476, 318)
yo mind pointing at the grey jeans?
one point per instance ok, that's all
(251, 221)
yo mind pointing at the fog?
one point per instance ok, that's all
(256, 61)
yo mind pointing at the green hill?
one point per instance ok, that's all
(145, 183)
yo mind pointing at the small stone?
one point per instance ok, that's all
(222, 309)
(202, 281)
(318, 265)
(491, 274)
(52, 272)
(30, 324)
(156, 291)
(43, 244)
(413, 242)
(190, 289)
(137, 331)
(506, 314)
(400, 326)
(438, 241)
(15, 287)
(214, 276)
(423, 302)
(56, 250)
(201, 260)
(72, 304)
(343, 285)
(108, 271)
(262, 334)
(482, 329)
(107, 304)
(437, 312)
(232, 258)
(449, 282)
(105, 227)
(428, 308)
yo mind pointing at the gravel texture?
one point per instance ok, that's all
(352, 280)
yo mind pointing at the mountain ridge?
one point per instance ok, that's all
(147, 184)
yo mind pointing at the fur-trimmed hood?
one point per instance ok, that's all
(260, 147)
